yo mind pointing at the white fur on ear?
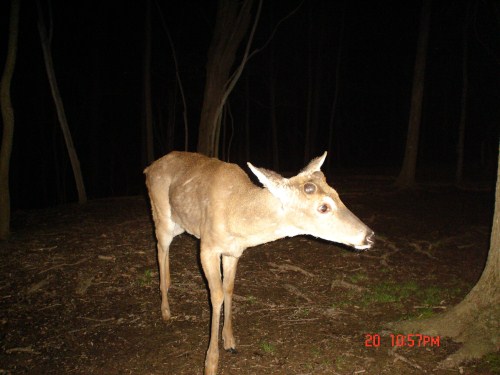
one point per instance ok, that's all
(274, 182)
(266, 176)
(314, 165)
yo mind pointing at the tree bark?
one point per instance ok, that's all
(474, 321)
(49, 67)
(230, 28)
(406, 177)
(8, 119)
(179, 81)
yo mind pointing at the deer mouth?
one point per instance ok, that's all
(368, 242)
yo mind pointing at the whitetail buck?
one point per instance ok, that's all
(217, 202)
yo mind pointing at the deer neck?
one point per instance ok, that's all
(259, 217)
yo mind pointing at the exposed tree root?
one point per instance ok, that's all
(399, 357)
(475, 347)
(475, 325)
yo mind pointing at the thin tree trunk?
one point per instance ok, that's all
(8, 119)
(231, 26)
(148, 108)
(178, 77)
(49, 66)
(231, 136)
(226, 113)
(406, 177)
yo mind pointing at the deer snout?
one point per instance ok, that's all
(370, 238)
(368, 241)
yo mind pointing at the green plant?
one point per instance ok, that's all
(340, 362)
(425, 313)
(267, 347)
(432, 296)
(396, 292)
(302, 312)
(382, 293)
(146, 278)
(251, 300)
(357, 277)
(493, 362)
(315, 351)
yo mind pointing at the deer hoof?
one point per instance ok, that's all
(232, 350)
(165, 314)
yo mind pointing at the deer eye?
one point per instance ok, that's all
(309, 188)
(324, 208)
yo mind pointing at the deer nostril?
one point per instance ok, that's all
(370, 238)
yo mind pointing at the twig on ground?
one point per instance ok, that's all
(294, 290)
(63, 265)
(393, 249)
(418, 249)
(399, 357)
(289, 267)
(27, 349)
(346, 285)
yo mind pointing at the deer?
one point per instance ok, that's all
(217, 202)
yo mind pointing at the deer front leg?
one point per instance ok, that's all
(229, 265)
(210, 261)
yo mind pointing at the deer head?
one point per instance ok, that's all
(310, 206)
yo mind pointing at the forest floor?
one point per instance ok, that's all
(79, 290)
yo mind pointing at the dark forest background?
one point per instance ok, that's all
(362, 50)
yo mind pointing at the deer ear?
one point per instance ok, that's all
(273, 181)
(314, 165)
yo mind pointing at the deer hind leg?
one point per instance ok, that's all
(229, 265)
(164, 241)
(165, 232)
(210, 261)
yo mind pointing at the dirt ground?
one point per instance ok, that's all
(79, 290)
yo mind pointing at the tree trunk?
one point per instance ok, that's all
(8, 120)
(230, 28)
(474, 321)
(406, 177)
(49, 66)
(178, 77)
